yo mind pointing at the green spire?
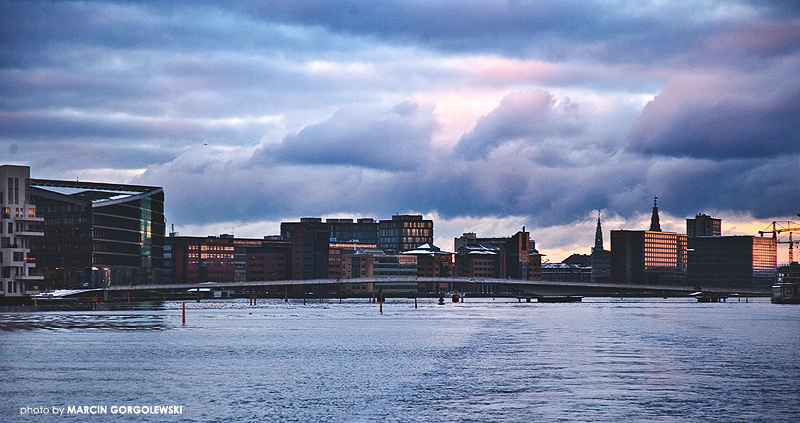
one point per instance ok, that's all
(598, 235)
(655, 226)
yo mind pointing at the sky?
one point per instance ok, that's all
(485, 116)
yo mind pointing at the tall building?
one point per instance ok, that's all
(732, 261)
(703, 225)
(600, 258)
(404, 233)
(310, 248)
(648, 257)
(98, 234)
(18, 227)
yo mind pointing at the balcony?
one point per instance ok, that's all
(29, 219)
(29, 233)
(30, 278)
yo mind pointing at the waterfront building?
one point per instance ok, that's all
(98, 234)
(340, 252)
(732, 261)
(479, 261)
(225, 258)
(648, 257)
(18, 227)
(310, 247)
(435, 263)
(318, 246)
(703, 225)
(432, 261)
(394, 266)
(512, 257)
(404, 233)
(357, 265)
(600, 262)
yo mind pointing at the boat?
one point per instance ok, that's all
(786, 293)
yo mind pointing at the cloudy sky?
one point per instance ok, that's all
(483, 115)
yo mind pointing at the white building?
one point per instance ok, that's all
(17, 227)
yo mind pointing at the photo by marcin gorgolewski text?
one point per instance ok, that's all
(102, 409)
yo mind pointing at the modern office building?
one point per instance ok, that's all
(361, 231)
(97, 234)
(404, 233)
(732, 261)
(648, 257)
(310, 248)
(19, 223)
(703, 225)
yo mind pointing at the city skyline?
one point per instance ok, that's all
(484, 117)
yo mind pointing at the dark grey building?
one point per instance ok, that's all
(703, 225)
(732, 261)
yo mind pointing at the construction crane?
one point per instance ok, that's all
(779, 228)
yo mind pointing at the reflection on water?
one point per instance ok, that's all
(133, 316)
(483, 360)
(88, 320)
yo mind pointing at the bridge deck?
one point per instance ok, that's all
(524, 285)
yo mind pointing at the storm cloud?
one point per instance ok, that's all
(534, 113)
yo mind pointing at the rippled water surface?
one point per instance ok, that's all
(602, 360)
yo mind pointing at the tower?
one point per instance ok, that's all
(601, 259)
(655, 226)
(598, 234)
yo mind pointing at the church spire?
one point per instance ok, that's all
(598, 235)
(655, 225)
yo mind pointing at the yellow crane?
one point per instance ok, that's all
(778, 228)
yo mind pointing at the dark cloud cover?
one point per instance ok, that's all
(544, 110)
(395, 139)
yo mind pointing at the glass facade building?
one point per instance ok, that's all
(648, 257)
(97, 234)
(404, 233)
(732, 261)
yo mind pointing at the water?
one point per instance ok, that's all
(603, 360)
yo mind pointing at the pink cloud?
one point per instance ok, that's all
(502, 69)
(764, 37)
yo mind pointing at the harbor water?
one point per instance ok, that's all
(484, 360)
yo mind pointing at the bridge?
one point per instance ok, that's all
(501, 286)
